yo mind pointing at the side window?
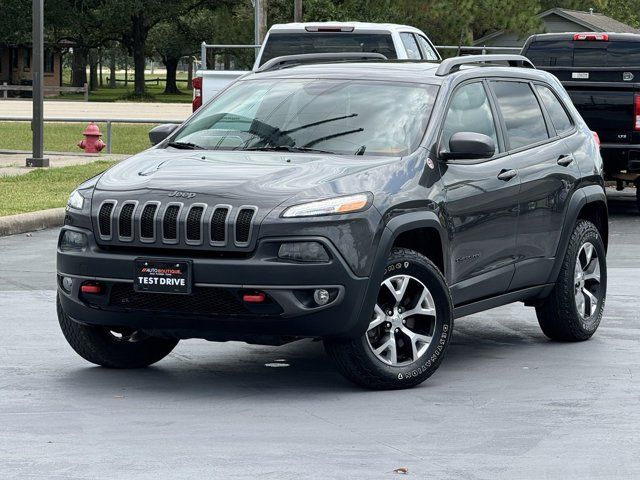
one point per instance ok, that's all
(521, 112)
(413, 52)
(427, 50)
(558, 114)
(469, 111)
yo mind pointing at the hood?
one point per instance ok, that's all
(264, 178)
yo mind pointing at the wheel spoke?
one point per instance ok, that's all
(424, 306)
(378, 317)
(416, 338)
(389, 345)
(592, 272)
(593, 302)
(580, 303)
(588, 253)
(397, 286)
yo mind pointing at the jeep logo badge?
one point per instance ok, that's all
(178, 194)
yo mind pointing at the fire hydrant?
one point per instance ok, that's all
(92, 142)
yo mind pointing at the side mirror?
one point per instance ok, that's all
(469, 146)
(159, 133)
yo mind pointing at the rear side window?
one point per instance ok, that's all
(521, 112)
(427, 50)
(558, 114)
(279, 44)
(556, 53)
(411, 46)
(469, 111)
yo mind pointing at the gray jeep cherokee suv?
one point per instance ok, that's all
(365, 203)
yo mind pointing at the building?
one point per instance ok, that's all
(558, 20)
(15, 65)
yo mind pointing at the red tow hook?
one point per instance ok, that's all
(258, 297)
(92, 288)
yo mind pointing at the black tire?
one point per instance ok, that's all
(98, 345)
(355, 358)
(558, 314)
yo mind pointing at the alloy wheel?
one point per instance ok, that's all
(587, 280)
(403, 321)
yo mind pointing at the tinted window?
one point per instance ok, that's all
(590, 54)
(340, 116)
(280, 44)
(410, 46)
(623, 54)
(551, 53)
(469, 111)
(521, 112)
(558, 114)
(427, 50)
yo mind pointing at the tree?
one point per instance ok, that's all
(171, 41)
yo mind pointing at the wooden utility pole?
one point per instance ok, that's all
(297, 11)
(260, 20)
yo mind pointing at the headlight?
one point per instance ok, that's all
(303, 252)
(73, 241)
(331, 206)
(76, 201)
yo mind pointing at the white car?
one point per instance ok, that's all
(391, 40)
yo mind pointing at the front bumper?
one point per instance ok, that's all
(289, 312)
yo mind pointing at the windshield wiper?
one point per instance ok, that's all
(286, 148)
(185, 146)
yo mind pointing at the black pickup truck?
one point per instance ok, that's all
(601, 73)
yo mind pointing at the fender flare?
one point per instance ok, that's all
(581, 197)
(396, 226)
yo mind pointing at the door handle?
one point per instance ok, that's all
(507, 175)
(565, 160)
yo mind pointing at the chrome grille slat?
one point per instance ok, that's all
(105, 217)
(171, 222)
(148, 222)
(243, 225)
(125, 221)
(219, 225)
(193, 224)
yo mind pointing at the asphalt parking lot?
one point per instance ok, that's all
(506, 403)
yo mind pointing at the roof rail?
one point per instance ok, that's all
(292, 60)
(453, 64)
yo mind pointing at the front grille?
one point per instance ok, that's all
(155, 224)
(104, 219)
(125, 222)
(148, 221)
(194, 232)
(243, 225)
(202, 301)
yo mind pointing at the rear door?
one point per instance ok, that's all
(481, 202)
(535, 123)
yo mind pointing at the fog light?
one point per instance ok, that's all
(321, 296)
(73, 241)
(303, 252)
(67, 284)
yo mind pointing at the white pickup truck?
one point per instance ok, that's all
(391, 40)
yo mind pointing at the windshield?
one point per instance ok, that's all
(348, 117)
(279, 44)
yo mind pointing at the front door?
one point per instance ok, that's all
(481, 203)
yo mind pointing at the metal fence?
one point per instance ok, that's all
(107, 121)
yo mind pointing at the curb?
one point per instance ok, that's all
(29, 222)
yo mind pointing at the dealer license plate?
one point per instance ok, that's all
(162, 276)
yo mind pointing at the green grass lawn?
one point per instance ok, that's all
(122, 93)
(126, 138)
(42, 189)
